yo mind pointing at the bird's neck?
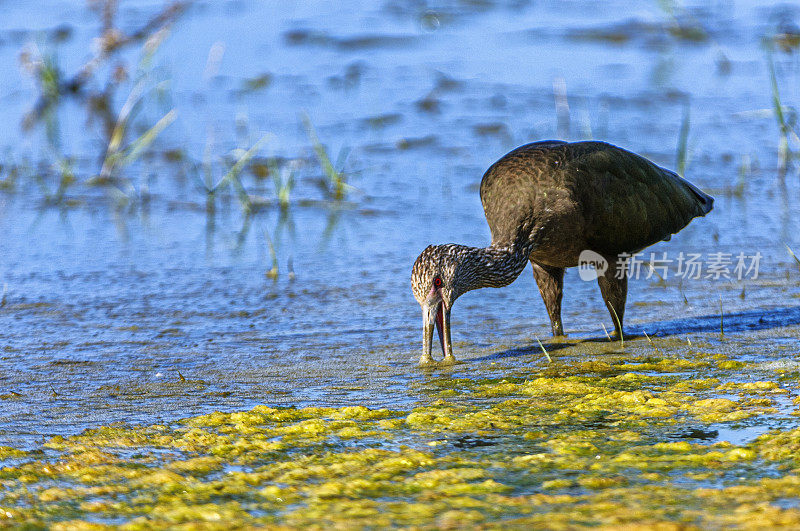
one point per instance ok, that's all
(493, 266)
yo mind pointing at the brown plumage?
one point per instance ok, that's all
(545, 203)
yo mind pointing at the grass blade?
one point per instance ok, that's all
(272, 273)
(232, 175)
(617, 324)
(792, 253)
(337, 187)
(141, 143)
(606, 331)
(544, 350)
(651, 342)
(783, 147)
(682, 154)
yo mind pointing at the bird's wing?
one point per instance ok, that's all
(516, 187)
(628, 202)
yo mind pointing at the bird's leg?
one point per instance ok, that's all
(614, 289)
(551, 285)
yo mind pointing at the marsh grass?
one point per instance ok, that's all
(745, 169)
(544, 351)
(283, 180)
(232, 177)
(127, 101)
(618, 324)
(9, 182)
(95, 85)
(66, 179)
(273, 272)
(606, 331)
(783, 146)
(652, 344)
(785, 117)
(47, 75)
(63, 172)
(682, 151)
(334, 182)
(680, 289)
(791, 252)
(290, 269)
(661, 281)
(682, 24)
(562, 107)
(48, 78)
(116, 156)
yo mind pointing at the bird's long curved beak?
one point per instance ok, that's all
(437, 315)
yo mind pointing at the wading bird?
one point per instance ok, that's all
(547, 202)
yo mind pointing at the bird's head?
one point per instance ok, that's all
(435, 281)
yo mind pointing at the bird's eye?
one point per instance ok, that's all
(437, 282)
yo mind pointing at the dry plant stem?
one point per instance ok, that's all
(606, 331)
(651, 342)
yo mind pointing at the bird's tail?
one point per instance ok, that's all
(706, 202)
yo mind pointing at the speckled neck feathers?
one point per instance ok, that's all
(466, 268)
(490, 267)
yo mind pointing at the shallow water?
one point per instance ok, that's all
(152, 312)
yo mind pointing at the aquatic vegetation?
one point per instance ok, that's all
(127, 136)
(555, 447)
(284, 181)
(682, 156)
(791, 252)
(334, 183)
(53, 85)
(785, 118)
(231, 178)
(144, 317)
(682, 25)
(255, 84)
(273, 272)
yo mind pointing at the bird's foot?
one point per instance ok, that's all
(449, 360)
(428, 361)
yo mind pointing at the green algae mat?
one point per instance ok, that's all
(624, 439)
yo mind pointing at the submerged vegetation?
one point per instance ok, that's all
(613, 440)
